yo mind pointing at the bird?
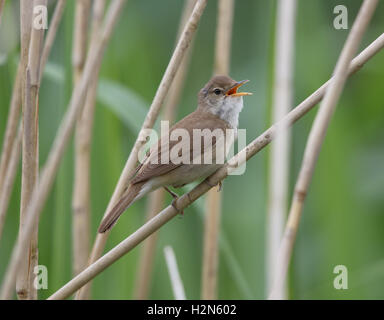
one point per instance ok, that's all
(218, 109)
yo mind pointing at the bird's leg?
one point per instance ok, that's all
(175, 196)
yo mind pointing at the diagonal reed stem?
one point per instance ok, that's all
(51, 34)
(156, 198)
(59, 145)
(18, 88)
(169, 75)
(11, 127)
(148, 251)
(248, 152)
(10, 175)
(316, 138)
(9, 178)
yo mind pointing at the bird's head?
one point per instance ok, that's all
(219, 96)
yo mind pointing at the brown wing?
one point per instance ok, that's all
(152, 167)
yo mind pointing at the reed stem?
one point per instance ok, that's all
(168, 77)
(280, 148)
(59, 145)
(213, 203)
(316, 138)
(156, 198)
(185, 200)
(30, 158)
(80, 197)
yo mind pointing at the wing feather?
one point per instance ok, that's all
(152, 167)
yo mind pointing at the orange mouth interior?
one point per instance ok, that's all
(233, 91)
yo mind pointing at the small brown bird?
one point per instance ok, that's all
(174, 162)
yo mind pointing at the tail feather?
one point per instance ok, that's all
(126, 200)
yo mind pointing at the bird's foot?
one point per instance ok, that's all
(176, 208)
(175, 196)
(219, 185)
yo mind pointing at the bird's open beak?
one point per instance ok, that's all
(233, 91)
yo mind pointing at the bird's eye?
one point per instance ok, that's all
(217, 91)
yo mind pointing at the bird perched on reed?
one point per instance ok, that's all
(177, 162)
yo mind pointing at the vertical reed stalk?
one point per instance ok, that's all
(26, 16)
(316, 138)
(26, 8)
(80, 37)
(177, 86)
(224, 36)
(80, 197)
(147, 253)
(279, 157)
(213, 204)
(30, 158)
(59, 145)
(11, 168)
(168, 77)
(156, 198)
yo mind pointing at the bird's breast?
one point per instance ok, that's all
(230, 110)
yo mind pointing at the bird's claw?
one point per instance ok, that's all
(219, 185)
(175, 206)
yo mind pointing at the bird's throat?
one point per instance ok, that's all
(229, 111)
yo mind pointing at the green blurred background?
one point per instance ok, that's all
(343, 216)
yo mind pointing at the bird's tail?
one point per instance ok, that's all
(129, 196)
